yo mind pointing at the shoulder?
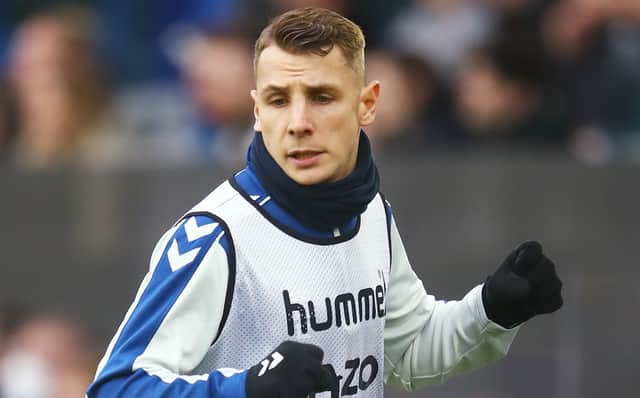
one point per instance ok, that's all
(199, 229)
(215, 200)
(186, 244)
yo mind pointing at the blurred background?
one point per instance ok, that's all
(499, 121)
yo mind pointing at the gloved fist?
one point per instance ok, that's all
(292, 370)
(525, 285)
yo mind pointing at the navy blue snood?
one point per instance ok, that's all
(323, 206)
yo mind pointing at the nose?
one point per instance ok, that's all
(299, 121)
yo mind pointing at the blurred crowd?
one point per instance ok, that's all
(43, 355)
(115, 84)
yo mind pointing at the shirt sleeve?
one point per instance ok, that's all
(174, 319)
(428, 341)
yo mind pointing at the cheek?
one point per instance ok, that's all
(343, 128)
(273, 127)
(344, 142)
(274, 118)
(341, 117)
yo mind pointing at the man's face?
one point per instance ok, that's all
(309, 109)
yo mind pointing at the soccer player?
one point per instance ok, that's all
(291, 279)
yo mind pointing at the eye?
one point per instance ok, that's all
(278, 101)
(322, 98)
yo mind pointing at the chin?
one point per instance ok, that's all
(309, 177)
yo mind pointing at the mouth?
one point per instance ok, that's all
(303, 154)
(304, 157)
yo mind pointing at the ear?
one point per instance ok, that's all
(368, 102)
(256, 111)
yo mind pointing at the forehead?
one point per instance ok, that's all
(281, 68)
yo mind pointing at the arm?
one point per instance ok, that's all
(176, 316)
(428, 341)
(173, 320)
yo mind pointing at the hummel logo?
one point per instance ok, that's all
(268, 365)
(262, 202)
(177, 260)
(194, 231)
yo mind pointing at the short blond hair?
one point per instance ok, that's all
(314, 31)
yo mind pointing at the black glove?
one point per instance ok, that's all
(525, 285)
(292, 370)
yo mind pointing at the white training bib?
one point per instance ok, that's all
(287, 288)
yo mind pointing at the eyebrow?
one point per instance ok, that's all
(275, 89)
(324, 88)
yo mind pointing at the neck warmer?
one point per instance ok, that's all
(323, 206)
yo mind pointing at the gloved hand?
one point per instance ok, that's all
(292, 370)
(525, 285)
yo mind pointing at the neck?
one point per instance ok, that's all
(323, 206)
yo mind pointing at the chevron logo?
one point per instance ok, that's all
(177, 260)
(194, 231)
(267, 364)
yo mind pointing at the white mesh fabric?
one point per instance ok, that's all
(269, 261)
